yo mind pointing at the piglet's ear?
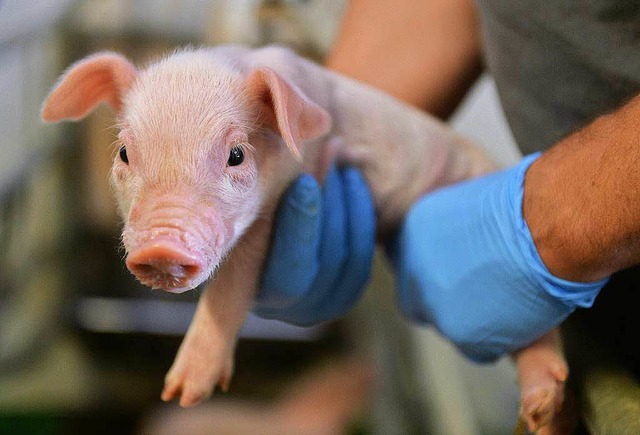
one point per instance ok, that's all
(287, 109)
(101, 77)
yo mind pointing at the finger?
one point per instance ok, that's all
(361, 239)
(333, 247)
(331, 256)
(294, 249)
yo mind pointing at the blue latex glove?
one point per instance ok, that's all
(466, 263)
(322, 250)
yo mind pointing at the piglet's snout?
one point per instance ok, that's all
(166, 265)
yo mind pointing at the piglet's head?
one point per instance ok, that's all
(188, 172)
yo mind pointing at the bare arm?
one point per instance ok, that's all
(582, 199)
(426, 53)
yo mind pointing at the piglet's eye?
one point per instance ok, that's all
(236, 156)
(123, 154)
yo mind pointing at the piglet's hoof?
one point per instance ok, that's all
(199, 366)
(543, 372)
(540, 404)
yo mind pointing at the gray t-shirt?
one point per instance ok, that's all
(559, 64)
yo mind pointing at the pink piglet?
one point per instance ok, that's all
(210, 139)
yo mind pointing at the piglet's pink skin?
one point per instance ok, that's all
(190, 210)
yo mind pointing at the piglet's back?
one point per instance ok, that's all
(403, 152)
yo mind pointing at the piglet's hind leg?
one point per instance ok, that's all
(542, 371)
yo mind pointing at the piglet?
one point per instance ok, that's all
(210, 139)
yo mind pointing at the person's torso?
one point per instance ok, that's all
(559, 64)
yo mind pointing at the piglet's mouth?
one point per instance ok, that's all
(166, 265)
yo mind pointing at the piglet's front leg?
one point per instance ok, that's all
(205, 357)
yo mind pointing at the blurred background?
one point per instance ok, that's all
(84, 348)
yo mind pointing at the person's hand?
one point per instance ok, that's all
(320, 258)
(465, 262)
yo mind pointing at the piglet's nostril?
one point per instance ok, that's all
(160, 268)
(161, 265)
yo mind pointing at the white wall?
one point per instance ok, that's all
(27, 67)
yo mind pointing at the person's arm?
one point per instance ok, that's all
(426, 53)
(582, 198)
(496, 262)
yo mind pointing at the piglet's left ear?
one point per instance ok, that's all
(287, 109)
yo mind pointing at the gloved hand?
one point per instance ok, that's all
(466, 262)
(322, 249)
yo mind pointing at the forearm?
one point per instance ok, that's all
(582, 197)
(424, 52)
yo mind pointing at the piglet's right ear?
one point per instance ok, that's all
(101, 77)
